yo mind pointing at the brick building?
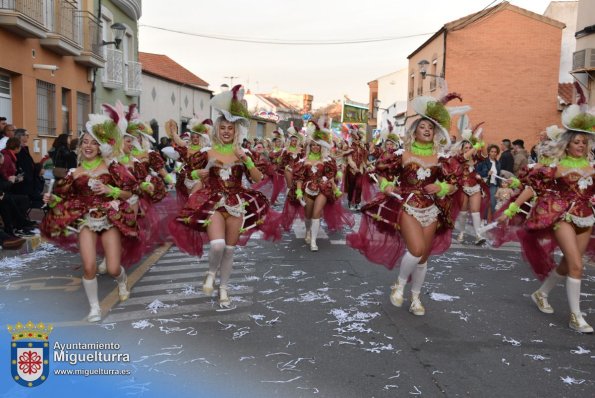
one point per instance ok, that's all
(504, 61)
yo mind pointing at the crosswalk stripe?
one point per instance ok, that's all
(179, 285)
(167, 298)
(185, 275)
(179, 260)
(169, 268)
(165, 312)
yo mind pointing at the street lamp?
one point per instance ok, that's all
(118, 31)
(230, 79)
(423, 71)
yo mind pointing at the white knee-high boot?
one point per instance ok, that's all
(226, 268)
(408, 264)
(215, 256)
(308, 237)
(122, 280)
(315, 229)
(540, 296)
(90, 286)
(476, 226)
(573, 291)
(417, 280)
(461, 224)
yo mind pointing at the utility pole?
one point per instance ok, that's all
(230, 80)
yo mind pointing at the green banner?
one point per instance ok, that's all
(354, 114)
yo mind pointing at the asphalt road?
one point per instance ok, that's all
(309, 324)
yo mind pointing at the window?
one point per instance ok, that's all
(5, 98)
(260, 130)
(411, 85)
(434, 73)
(46, 108)
(83, 104)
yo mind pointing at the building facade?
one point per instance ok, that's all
(120, 76)
(504, 61)
(48, 51)
(583, 63)
(565, 12)
(171, 92)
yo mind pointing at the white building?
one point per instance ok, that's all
(171, 91)
(566, 12)
(392, 94)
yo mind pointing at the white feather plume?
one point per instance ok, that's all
(170, 153)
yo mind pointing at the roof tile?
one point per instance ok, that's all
(165, 67)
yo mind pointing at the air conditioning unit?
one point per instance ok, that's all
(583, 59)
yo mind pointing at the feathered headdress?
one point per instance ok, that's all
(553, 132)
(107, 129)
(137, 129)
(468, 133)
(229, 104)
(435, 110)
(203, 128)
(354, 129)
(320, 135)
(388, 134)
(292, 132)
(577, 117)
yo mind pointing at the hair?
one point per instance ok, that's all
(240, 131)
(410, 136)
(520, 143)
(61, 141)
(506, 143)
(19, 133)
(558, 149)
(493, 146)
(13, 143)
(74, 143)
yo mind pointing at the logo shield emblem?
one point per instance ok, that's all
(30, 353)
(30, 362)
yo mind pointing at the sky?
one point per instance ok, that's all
(328, 72)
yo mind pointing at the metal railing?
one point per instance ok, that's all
(133, 77)
(32, 9)
(66, 23)
(91, 32)
(113, 73)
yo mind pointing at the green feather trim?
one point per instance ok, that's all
(438, 112)
(583, 121)
(238, 109)
(199, 128)
(107, 133)
(321, 135)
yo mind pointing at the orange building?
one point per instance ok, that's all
(45, 61)
(504, 61)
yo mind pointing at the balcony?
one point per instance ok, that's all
(132, 8)
(65, 30)
(113, 73)
(91, 55)
(23, 17)
(133, 79)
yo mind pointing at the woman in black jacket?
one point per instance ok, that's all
(488, 170)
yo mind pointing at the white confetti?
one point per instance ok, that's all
(281, 381)
(142, 324)
(571, 380)
(155, 305)
(443, 297)
(512, 342)
(536, 357)
(580, 351)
